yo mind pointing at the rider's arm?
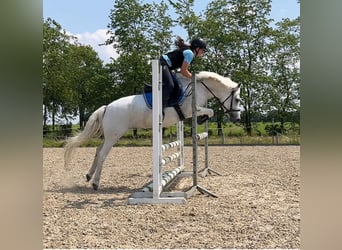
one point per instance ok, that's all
(184, 69)
(188, 57)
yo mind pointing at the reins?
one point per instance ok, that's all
(222, 103)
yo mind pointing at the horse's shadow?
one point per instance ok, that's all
(100, 203)
(120, 195)
(84, 189)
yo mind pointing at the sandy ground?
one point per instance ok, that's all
(257, 204)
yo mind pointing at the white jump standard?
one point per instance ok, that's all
(153, 193)
(206, 170)
(195, 138)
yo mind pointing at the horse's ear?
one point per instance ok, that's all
(237, 87)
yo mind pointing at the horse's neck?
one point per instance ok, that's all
(215, 88)
(202, 94)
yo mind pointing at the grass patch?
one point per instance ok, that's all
(232, 134)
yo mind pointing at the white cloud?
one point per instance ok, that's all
(105, 52)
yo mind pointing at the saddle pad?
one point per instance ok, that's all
(148, 99)
(171, 103)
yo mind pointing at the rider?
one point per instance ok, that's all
(179, 58)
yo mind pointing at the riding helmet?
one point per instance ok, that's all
(198, 43)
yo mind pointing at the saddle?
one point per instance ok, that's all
(176, 98)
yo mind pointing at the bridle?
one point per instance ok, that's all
(230, 110)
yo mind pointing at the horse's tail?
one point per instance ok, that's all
(92, 129)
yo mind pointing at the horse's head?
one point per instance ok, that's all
(234, 106)
(225, 91)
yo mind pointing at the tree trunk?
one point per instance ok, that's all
(282, 124)
(45, 116)
(248, 125)
(82, 117)
(53, 118)
(219, 128)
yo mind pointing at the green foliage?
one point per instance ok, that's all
(74, 79)
(187, 16)
(273, 129)
(52, 143)
(284, 68)
(55, 53)
(240, 46)
(139, 32)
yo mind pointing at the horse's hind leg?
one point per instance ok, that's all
(92, 169)
(102, 154)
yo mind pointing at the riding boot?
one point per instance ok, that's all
(165, 99)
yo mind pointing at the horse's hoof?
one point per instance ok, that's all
(95, 186)
(201, 119)
(88, 177)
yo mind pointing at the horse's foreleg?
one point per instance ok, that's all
(205, 111)
(92, 169)
(101, 155)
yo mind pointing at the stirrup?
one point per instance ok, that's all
(201, 119)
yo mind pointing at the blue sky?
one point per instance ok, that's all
(88, 19)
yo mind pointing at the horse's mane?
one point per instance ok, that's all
(202, 75)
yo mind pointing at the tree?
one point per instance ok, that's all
(213, 29)
(250, 53)
(284, 68)
(74, 80)
(88, 81)
(139, 32)
(238, 46)
(187, 18)
(55, 51)
(160, 29)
